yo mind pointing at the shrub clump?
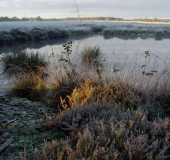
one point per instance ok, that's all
(108, 133)
(92, 91)
(22, 61)
(31, 86)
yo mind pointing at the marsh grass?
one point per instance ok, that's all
(91, 55)
(17, 62)
(120, 108)
(68, 85)
(46, 89)
(30, 85)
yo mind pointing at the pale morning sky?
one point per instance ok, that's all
(87, 8)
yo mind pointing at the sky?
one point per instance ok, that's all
(127, 9)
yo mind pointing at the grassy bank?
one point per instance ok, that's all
(36, 31)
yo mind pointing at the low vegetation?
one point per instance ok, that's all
(92, 90)
(35, 34)
(99, 132)
(101, 115)
(91, 55)
(31, 86)
(18, 62)
(21, 32)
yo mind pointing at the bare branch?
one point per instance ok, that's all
(77, 10)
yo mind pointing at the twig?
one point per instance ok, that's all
(11, 121)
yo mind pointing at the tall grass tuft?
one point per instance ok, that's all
(32, 86)
(16, 62)
(91, 55)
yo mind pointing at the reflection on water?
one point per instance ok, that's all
(4, 48)
(133, 37)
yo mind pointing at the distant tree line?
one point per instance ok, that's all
(2, 19)
(151, 20)
(95, 18)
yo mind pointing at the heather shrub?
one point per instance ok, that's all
(162, 95)
(93, 90)
(109, 133)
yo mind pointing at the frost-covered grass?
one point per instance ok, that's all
(118, 27)
(71, 25)
(11, 32)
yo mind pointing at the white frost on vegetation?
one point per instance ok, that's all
(85, 25)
